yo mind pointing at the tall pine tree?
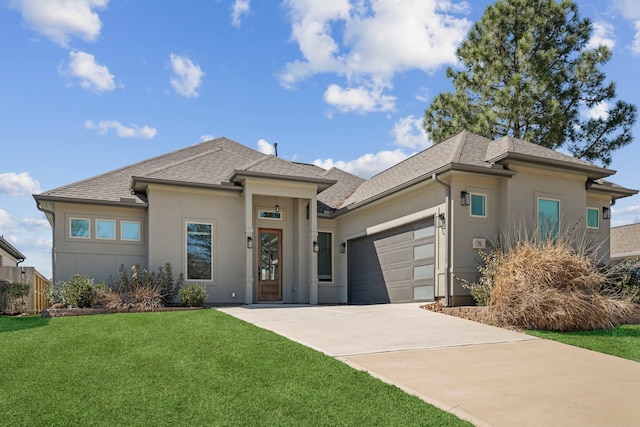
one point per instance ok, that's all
(527, 72)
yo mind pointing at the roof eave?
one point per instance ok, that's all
(121, 203)
(140, 183)
(8, 247)
(593, 172)
(458, 167)
(323, 184)
(616, 192)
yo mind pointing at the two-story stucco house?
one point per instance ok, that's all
(256, 228)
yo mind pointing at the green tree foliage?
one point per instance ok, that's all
(526, 71)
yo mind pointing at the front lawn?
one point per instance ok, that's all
(185, 368)
(623, 341)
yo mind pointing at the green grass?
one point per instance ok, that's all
(623, 341)
(185, 368)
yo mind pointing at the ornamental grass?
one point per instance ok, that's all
(552, 285)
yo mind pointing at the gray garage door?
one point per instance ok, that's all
(393, 266)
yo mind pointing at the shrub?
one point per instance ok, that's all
(146, 296)
(481, 290)
(13, 296)
(624, 280)
(161, 282)
(551, 285)
(193, 296)
(56, 293)
(80, 291)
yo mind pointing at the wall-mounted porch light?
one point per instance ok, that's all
(606, 212)
(249, 242)
(343, 247)
(440, 220)
(464, 198)
(277, 206)
(316, 247)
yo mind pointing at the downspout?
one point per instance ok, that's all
(447, 266)
(53, 239)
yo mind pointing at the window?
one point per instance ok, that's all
(199, 251)
(269, 215)
(423, 230)
(79, 228)
(325, 271)
(105, 229)
(130, 230)
(478, 205)
(593, 218)
(548, 218)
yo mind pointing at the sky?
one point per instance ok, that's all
(88, 86)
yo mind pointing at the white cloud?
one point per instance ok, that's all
(630, 10)
(133, 131)
(5, 220)
(367, 165)
(599, 111)
(93, 76)
(35, 223)
(60, 20)
(635, 47)
(379, 39)
(634, 210)
(603, 34)
(206, 137)
(408, 132)
(359, 99)
(266, 147)
(18, 184)
(187, 76)
(240, 7)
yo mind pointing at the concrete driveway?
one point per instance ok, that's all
(487, 375)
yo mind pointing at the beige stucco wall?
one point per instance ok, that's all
(511, 210)
(7, 260)
(171, 207)
(98, 258)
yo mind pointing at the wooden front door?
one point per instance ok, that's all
(270, 265)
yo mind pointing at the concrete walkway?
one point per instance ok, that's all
(487, 375)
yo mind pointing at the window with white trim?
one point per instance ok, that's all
(80, 228)
(105, 229)
(478, 205)
(199, 251)
(593, 218)
(130, 231)
(548, 218)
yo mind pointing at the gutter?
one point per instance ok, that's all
(447, 262)
(53, 239)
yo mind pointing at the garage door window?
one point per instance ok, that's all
(423, 230)
(424, 251)
(422, 272)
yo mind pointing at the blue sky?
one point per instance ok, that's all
(88, 86)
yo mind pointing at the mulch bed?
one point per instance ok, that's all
(482, 314)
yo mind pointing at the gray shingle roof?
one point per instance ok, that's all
(463, 148)
(207, 162)
(466, 150)
(219, 161)
(345, 185)
(625, 241)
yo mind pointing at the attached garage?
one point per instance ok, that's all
(396, 265)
